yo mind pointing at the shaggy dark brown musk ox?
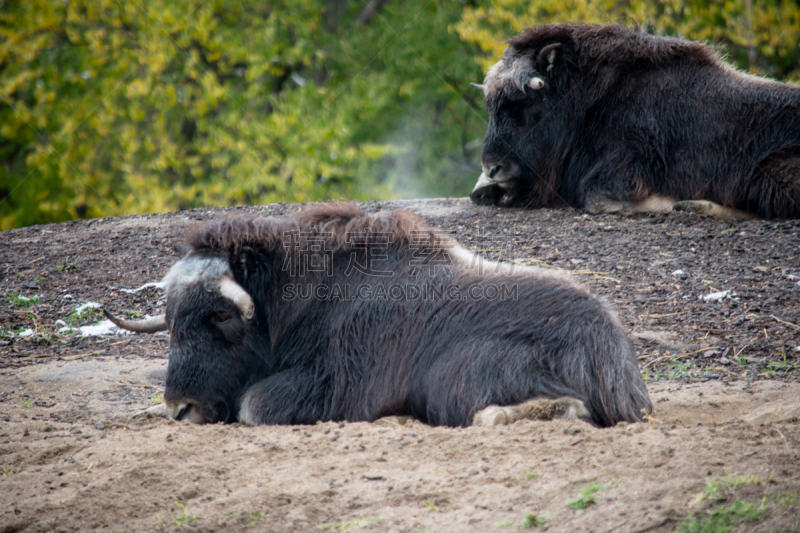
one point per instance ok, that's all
(613, 120)
(334, 314)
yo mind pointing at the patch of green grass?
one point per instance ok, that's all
(724, 519)
(679, 369)
(532, 475)
(502, 524)
(11, 471)
(26, 403)
(769, 372)
(785, 499)
(157, 397)
(250, 520)
(47, 336)
(723, 488)
(722, 516)
(586, 495)
(430, 507)
(90, 315)
(6, 333)
(68, 267)
(18, 300)
(532, 520)
(783, 365)
(185, 517)
(646, 376)
(351, 524)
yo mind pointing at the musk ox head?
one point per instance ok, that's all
(213, 352)
(522, 92)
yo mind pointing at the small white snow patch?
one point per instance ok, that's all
(678, 273)
(88, 305)
(159, 285)
(60, 322)
(106, 327)
(68, 297)
(23, 298)
(715, 296)
(27, 333)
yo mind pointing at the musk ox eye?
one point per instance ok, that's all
(221, 318)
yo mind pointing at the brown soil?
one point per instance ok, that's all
(723, 379)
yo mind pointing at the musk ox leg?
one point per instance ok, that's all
(711, 209)
(652, 204)
(664, 204)
(156, 410)
(284, 398)
(539, 409)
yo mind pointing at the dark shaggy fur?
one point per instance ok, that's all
(438, 359)
(624, 115)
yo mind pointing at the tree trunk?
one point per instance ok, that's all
(332, 14)
(369, 11)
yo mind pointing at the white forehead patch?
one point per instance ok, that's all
(511, 71)
(193, 270)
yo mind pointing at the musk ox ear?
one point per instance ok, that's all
(247, 261)
(547, 57)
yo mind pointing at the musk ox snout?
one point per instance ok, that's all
(486, 192)
(493, 183)
(184, 411)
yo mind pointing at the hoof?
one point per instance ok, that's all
(571, 409)
(491, 416)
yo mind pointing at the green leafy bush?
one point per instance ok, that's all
(111, 108)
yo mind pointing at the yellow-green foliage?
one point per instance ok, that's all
(761, 37)
(110, 107)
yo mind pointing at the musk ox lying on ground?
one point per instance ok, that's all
(613, 120)
(334, 314)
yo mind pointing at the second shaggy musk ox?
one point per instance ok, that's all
(334, 314)
(613, 120)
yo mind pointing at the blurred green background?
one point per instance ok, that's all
(119, 107)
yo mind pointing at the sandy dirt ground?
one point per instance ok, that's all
(721, 452)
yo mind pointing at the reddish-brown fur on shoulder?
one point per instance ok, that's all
(333, 222)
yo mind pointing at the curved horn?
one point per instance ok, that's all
(148, 325)
(536, 83)
(479, 86)
(234, 292)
